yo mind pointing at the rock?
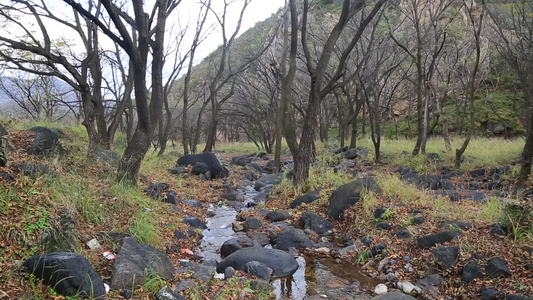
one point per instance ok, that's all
(70, 274)
(155, 190)
(348, 194)
(178, 170)
(34, 170)
(497, 267)
(499, 230)
(431, 240)
(7, 177)
(127, 294)
(517, 297)
(171, 197)
(45, 142)
(235, 244)
(242, 160)
(237, 227)
(380, 211)
(252, 224)
(258, 269)
(477, 173)
(4, 146)
(432, 156)
(191, 203)
(316, 223)
(214, 166)
(347, 250)
(276, 216)
(350, 154)
(383, 226)
(269, 179)
(260, 238)
(229, 272)
(307, 198)
(179, 234)
(341, 150)
(433, 279)
(366, 240)
(377, 249)
(471, 271)
(380, 289)
(455, 225)
(200, 168)
(134, 260)
(293, 238)
(489, 294)
(194, 222)
(402, 233)
(282, 263)
(229, 196)
(185, 285)
(393, 296)
(446, 256)
(167, 293)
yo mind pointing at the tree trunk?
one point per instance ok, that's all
(527, 154)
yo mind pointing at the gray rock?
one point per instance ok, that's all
(497, 267)
(348, 194)
(270, 179)
(393, 296)
(471, 271)
(282, 263)
(316, 223)
(252, 224)
(455, 225)
(489, 294)
(433, 279)
(134, 260)
(293, 238)
(235, 244)
(446, 256)
(214, 166)
(229, 272)
(194, 222)
(45, 142)
(260, 238)
(276, 216)
(307, 198)
(167, 293)
(185, 285)
(258, 269)
(431, 240)
(70, 274)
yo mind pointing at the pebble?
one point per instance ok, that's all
(323, 250)
(380, 289)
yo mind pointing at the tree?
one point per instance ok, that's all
(513, 25)
(476, 21)
(320, 85)
(82, 71)
(148, 37)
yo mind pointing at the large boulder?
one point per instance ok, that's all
(70, 274)
(45, 142)
(348, 194)
(282, 263)
(134, 261)
(216, 169)
(4, 146)
(307, 198)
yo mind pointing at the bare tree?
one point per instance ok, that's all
(513, 25)
(148, 38)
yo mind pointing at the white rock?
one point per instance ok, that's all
(406, 287)
(380, 289)
(322, 250)
(93, 244)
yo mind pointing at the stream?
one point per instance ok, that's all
(315, 276)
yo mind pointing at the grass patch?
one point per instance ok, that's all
(144, 228)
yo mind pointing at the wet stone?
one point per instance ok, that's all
(258, 269)
(431, 240)
(489, 294)
(446, 256)
(276, 216)
(471, 271)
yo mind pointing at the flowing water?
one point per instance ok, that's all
(315, 276)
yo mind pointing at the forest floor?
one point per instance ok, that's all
(30, 207)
